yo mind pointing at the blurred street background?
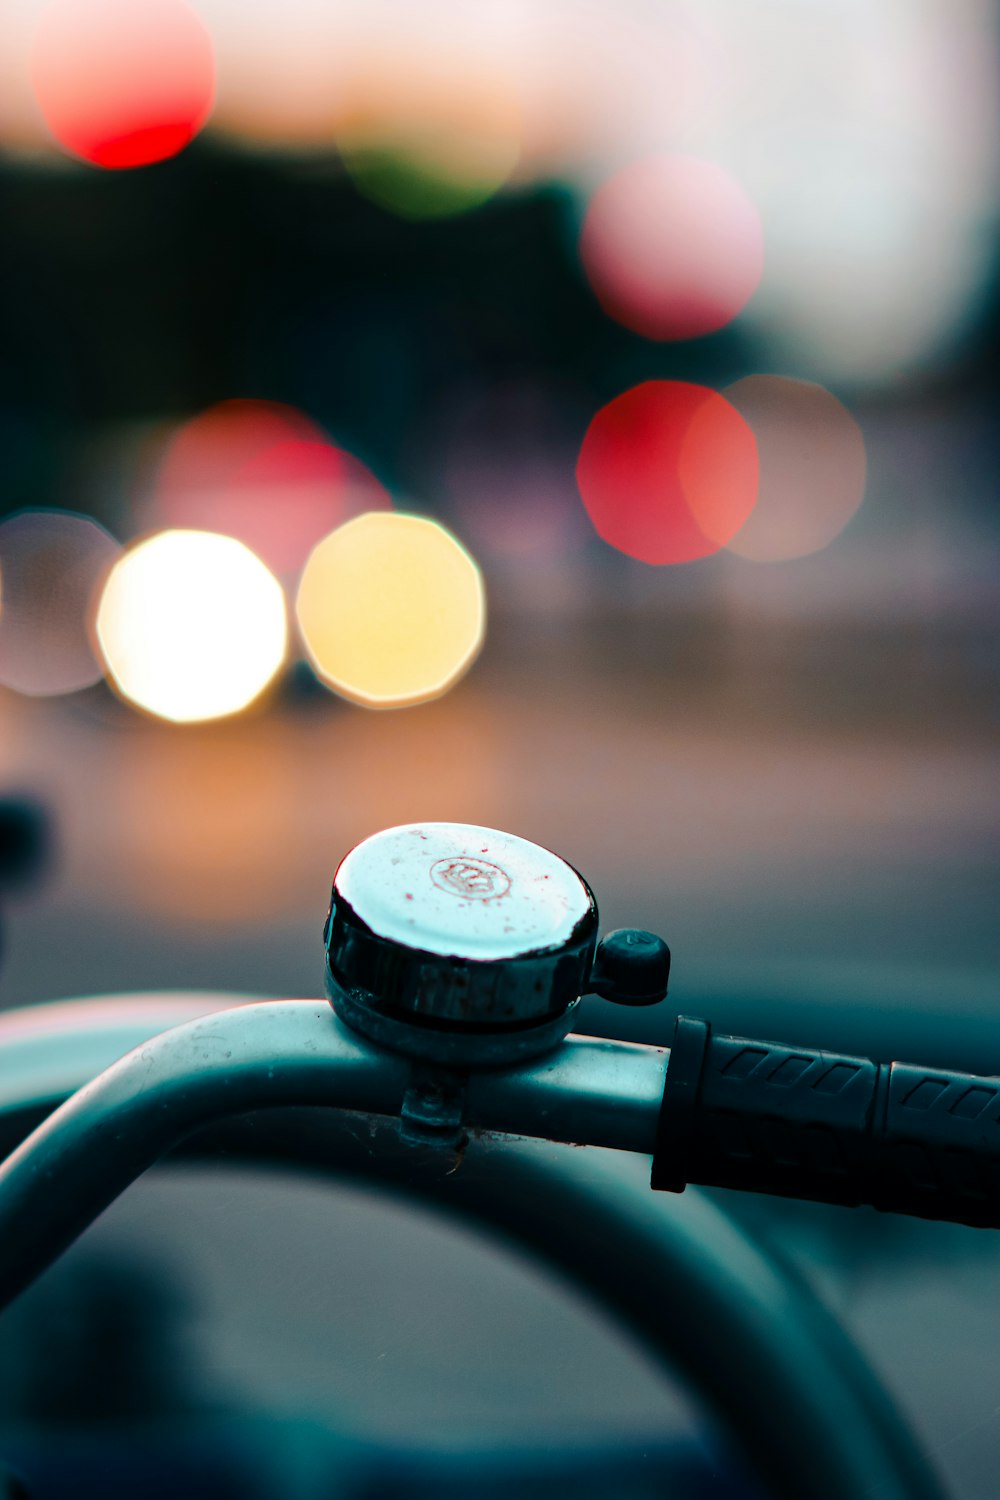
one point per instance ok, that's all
(678, 327)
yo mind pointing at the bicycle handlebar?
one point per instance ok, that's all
(754, 1341)
(272, 1054)
(722, 1111)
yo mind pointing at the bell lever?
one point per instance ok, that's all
(631, 967)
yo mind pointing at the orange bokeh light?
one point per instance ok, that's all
(812, 467)
(672, 247)
(123, 83)
(668, 472)
(265, 474)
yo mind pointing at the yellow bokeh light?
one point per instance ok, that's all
(391, 608)
(191, 625)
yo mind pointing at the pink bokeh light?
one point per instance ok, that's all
(266, 474)
(672, 246)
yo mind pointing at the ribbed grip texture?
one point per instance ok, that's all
(771, 1118)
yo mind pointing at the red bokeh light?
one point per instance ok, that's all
(668, 471)
(672, 246)
(266, 474)
(123, 83)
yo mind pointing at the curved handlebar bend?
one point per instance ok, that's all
(273, 1054)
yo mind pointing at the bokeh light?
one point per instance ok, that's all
(392, 610)
(264, 473)
(123, 83)
(507, 454)
(428, 139)
(812, 467)
(52, 566)
(672, 246)
(191, 625)
(668, 471)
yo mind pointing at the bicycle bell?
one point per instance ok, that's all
(470, 947)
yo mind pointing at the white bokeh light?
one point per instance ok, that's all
(192, 625)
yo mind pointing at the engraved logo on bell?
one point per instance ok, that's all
(472, 879)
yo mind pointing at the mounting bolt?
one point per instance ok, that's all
(432, 1109)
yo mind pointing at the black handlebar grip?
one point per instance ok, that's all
(771, 1118)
